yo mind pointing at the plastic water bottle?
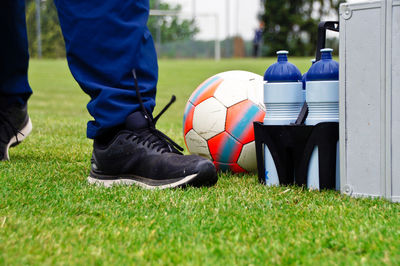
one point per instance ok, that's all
(283, 98)
(322, 96)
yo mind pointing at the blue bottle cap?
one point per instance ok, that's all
(324, 69)
(303, 80)
(282, 70)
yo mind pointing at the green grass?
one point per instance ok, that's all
(49, 215)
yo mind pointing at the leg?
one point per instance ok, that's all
(104, 41)
(15, 124)
(14, 87)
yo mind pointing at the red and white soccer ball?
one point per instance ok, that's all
(218, 120)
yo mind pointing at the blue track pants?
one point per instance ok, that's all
(104, 41)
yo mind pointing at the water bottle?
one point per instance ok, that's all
(283, 98)
(322, 96)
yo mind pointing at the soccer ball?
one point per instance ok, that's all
(218, 120)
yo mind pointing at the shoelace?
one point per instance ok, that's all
(3, 128)
(152, 136)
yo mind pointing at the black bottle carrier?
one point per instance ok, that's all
(291, 146)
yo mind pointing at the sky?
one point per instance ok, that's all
(244, 10)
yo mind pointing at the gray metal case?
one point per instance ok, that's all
(370, 99)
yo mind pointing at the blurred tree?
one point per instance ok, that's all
(172, 28)
(293, 25)
(52, 40)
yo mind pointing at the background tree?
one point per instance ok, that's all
(293, 25)
(172, 28)
(52, 39)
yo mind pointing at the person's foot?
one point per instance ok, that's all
(141, 155)
(15, 126)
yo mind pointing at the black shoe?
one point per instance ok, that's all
(15, 126)
(142, 155)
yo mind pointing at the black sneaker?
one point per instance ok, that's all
(141, 155)
(15, 126)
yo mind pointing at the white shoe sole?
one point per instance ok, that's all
(129, 182)
(21, 135)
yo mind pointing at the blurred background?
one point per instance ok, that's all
(208, 28)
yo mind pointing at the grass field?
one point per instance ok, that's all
(49, 215)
